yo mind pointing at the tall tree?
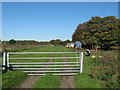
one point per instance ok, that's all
(98, 31)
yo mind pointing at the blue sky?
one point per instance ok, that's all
(44, 21)
(60, 0)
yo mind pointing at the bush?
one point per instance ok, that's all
(13, 79)
(108, 77)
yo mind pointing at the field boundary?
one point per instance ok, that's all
(31, 67)
(104, 68)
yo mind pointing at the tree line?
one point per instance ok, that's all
(33, 42)
(100, 32)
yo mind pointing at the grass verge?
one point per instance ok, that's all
(13, 79)
(103, 78)
(85, 81)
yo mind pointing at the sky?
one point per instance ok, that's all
(44, 21)
(60, 0)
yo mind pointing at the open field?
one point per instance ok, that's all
(59, 45)
(101, 79)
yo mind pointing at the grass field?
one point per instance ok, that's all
(47, 81)
(102, 78)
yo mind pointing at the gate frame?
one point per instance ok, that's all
(7, 64)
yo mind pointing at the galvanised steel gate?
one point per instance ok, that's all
(42, 63)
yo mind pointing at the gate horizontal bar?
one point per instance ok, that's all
(55, 74)
(36, 74)
(41, 65)
(44, 63)
(66, 74)
(39, 52)
(43, 68)
(51, 71)
(46, 58)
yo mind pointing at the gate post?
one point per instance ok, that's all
(81, 62)
(4, 61)
(5, 65)
(7, 61)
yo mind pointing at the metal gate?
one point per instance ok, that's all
(43, 63)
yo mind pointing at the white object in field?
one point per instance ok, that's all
(93, 56)
(87, 52)
(72, 44)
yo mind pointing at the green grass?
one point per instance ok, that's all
(107, 78)
(48, 49)
(47, 81)
(43, 49)
(29, 56)
(85, 81)
(13, 79)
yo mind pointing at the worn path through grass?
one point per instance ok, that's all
(66, 81)
(30, 81)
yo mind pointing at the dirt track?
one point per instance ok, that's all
(28, 83)
(67, 81)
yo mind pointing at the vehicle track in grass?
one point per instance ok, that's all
(67, 81)
(29, 82)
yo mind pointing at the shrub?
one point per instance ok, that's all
(108, 76)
